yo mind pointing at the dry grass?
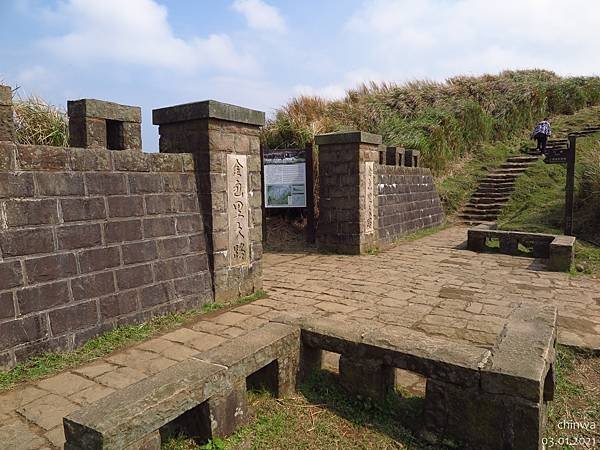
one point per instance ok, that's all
(39, 123)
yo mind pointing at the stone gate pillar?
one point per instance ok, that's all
(348, 191)
(7, 126)
(225, 142)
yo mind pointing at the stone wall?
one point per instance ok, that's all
(407, 201)
(91, 239)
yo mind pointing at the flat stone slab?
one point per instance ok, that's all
(131, 414)
(400, 347)
(246, 354)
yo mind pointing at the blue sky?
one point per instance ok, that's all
(259, 53)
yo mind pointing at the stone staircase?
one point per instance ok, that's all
(494, 190)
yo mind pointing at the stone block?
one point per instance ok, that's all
(92, 286)
(50, 268)
(15, 184)
(208, 109)
(99, 259)
(130, 414)
(42, 157)
(131, 277)
(79, 209)
(351, 137)
(253, 351)
(131, 161)
(125, 206)
(101, 109)
(90, 160)
(159, 227)
(117, 305)
(123, 231)
(22, 331)
(72, 318)
(141, 183)
(59, 184)
(31, 212)
(26, 242)
(365, 377)
(106, 183)
(79, 236)
(7, 307)
(561, 253)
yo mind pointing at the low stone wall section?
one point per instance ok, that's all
(91, 239)
(408, 201)
(480, 398)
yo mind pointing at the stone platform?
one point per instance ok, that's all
(432, 285)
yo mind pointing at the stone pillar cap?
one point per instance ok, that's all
(348, 137)
(5, 96)
(100, 109)
(207, 109)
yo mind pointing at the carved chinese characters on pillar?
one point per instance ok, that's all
(237, 204)
(369, 197)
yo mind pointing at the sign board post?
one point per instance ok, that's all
(570, 186)
(288, 182)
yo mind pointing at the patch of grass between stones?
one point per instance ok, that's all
(119, 338)
(422, 233)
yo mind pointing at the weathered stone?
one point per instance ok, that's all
(144, 407)
(209, 109)
(366, 377)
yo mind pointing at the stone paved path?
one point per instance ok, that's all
(432, 285)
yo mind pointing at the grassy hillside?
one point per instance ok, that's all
(445, 121)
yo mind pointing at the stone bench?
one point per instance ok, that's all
(482, 398)
(204, 396)
(559, 250)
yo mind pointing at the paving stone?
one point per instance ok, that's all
(17, 435)
(91, 394)
(12, 400)
(208, 326)
(168, 349)
(230, 318)
(48, 411)
(65, 384)
(120, 378)
(95, 369)
(56, 436)
(182, 335)
(205, 342)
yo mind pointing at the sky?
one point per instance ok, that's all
(260, 53)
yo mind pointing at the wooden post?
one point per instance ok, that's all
(310, 196)
(570, 187)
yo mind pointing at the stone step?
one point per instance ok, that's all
(481, 212)
(496, 183)
(489, 200)
(522, 159)
(516, 165)
(478, 217)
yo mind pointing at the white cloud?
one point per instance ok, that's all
(138, 32)
(260, 15)
(444, 37)
(338, 90)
